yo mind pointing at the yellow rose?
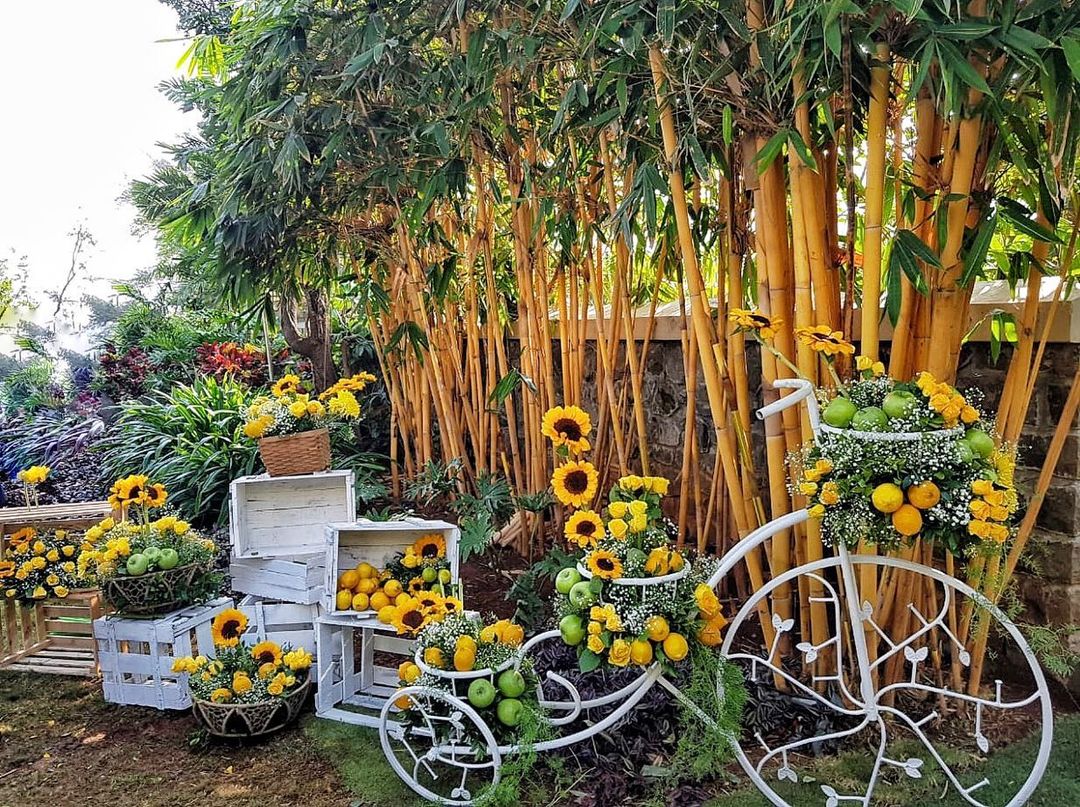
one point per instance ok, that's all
(619, 655)
(595, 628)
(816, 510)
(617, 527)
(706, 600)
(617, 509)
(596, 645)
(298, 409)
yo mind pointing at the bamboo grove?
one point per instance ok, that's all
(511, 189)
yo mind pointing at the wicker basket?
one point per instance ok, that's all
(154, 593)
(244, 720)
(295, 454)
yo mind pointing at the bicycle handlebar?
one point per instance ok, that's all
(804, 391)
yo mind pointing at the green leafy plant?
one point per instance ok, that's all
(191, 439)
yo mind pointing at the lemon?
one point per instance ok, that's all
(675, 647)
(401, 599)
(641, 652)
(366, 570)
(887, 497)
(344, 600)
(433, 657)
(392, 588)
(907, 520)
(386, 614)
(348, 580)
(360, 602)
(379, 601)
(367, 585)
(464, 659)
(657, 628)
(924, 495)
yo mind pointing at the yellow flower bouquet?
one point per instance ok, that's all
(245, 690)
(292, 424)
(39, 565)
(147, 565)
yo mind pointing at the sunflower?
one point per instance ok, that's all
(228, 626)
(822, 339)
(156, 495)
(7, 569)
(129, 490)
(584, 528)
(22, 537)
(605, 565)
(575, 483)
(288, 384)
(568, 426)
(430, 546)
(429, 601)
(746, 321)
(409, 618)
(266, 653)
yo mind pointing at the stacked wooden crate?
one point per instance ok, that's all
(357, 656)
(277, 530)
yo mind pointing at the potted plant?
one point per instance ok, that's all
(292, 425)
(246, 691)
(37, 566)
(146, 566)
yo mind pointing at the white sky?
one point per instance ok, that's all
(81, 117)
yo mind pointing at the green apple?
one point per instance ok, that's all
(899, 404)
(981, 442)
(567, 579)
(870, 419)
(481, 693)
(509, 711)
(439, 589)
(429, 575)
(572, 629)
(964, 451)
(511, 684)
(839, 412)
(581, 594)
(445, 577)
(635, 557)
(168, 559)
(137, 564)
(153, 555)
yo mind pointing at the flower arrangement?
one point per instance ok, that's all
(613, 605)
(483, 658)
(146, 563)
(411, 592)
(242, 673)
(31, 478)
(37, 566)
(292, 409)
(944, 478)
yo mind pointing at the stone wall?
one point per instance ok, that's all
(1052, 586)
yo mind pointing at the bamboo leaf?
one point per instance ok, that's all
(893, 290)
(1070, 45)
(962, 67)
(915, 245)
(801, 149)
(665, 20)
(1020, 217)
(770, 151)
(729, 125)
(903, 259)
(569, 9)
(980, 245)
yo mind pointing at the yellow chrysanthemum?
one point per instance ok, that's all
(228, 627)
(34, 475)
(584, 528)
(822, 339)
(568, 426)
(221, 695)
(747, 320)
(575, 483)
(298, 659)
(605, 565)
(344, 404)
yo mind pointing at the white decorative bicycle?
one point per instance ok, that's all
(448, 754)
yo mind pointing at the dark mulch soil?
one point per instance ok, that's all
(70, 480)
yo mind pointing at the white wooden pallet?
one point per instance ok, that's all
(297, 579)
(376, 542)
(352, 686)
(57, 662)
(136, 655)
(286, 623)
(285, 516)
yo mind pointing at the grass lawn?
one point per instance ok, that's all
(61, 743)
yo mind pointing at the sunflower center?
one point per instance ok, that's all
(586, 528)
(429, 550)
(605, 564)
(759, 320)
(412, 619)
(266, 657)
(577, 482)
(231, 629)
(568, 428)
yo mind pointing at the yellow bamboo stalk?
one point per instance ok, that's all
(876, 142)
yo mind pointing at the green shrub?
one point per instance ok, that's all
(31, 387)
(46, 438)
(191, 440)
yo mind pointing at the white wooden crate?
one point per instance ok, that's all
(285, 516)
(136, 655)
(286, 623)
(376, 542)
(352, 685)
(298, 579)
